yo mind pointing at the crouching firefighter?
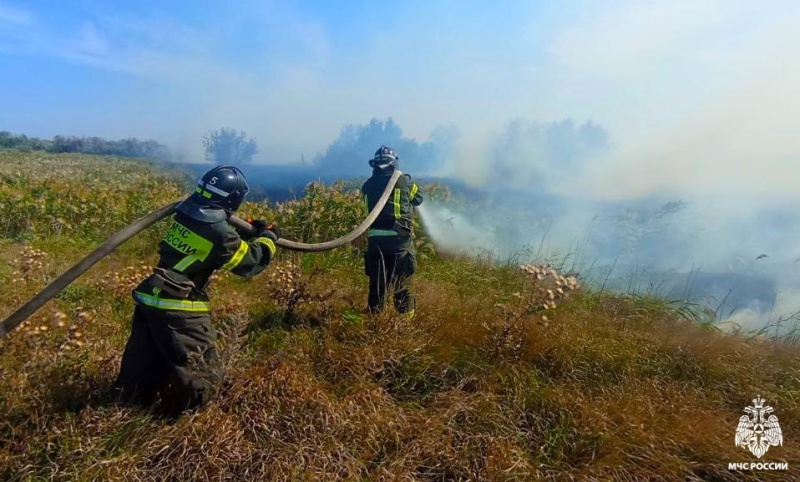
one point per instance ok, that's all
(170, 356)
(390, 260)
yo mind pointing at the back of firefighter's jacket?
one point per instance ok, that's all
(190, 252)
(397, 215)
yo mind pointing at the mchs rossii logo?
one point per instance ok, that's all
(757, 432)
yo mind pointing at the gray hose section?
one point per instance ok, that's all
(328, 245)
(57, 285)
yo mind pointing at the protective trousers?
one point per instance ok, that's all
(390, 262)
(170, 354)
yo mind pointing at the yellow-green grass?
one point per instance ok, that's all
(484, 384)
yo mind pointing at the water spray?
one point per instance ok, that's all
(453, 231)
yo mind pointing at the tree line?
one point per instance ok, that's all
(348, 154)
(525, 154)
(130, 147)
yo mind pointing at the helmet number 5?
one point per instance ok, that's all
(213, 180)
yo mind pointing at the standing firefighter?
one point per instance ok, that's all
(390, 260)
(170, 352)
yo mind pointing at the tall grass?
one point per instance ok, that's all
(496, 378)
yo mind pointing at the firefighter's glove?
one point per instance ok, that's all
(259, 226)
(272, 231)
(264, 229)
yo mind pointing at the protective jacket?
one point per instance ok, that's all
(170, 358)
(190, 252)
(398, 214)
(390, 260)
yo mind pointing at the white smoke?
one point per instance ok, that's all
(739, 259)
(696, 193)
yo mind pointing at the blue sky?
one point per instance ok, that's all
(684, 87)
(217, 61)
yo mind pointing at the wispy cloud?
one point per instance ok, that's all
(106, 40)
(10, 14)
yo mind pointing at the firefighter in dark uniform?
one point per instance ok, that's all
(390, 260)
(170, 353)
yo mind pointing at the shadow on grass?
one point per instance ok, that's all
(72, 384)
(278, 319)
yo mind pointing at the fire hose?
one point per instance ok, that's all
(57, 285)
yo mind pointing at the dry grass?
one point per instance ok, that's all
(487, 383)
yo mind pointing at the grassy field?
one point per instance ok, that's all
(496, 379)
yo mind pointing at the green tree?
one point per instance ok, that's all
(349, 153)
(226, 146)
